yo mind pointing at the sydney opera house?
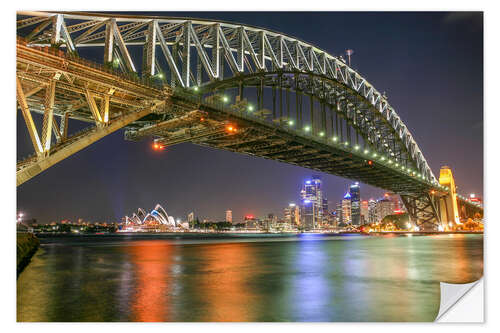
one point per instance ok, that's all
(157, 218)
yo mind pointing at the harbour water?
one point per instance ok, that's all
(188, 277)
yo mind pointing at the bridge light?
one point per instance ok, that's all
(383, 158)
(195, 88)
(335, 138)
(290, 122)
(160, 75)
(374, 155)
(307, 128)
(321, 133)
(225, 99)
(397, 164)
(366, 151)
(250, 108)
(346, 143)
(356, 147)
(433, 192)
(231, 129)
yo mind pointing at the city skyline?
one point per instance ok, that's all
(115, 176)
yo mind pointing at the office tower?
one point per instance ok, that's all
(372, 211)
(384, 207)
(339, 213)
(292, 214)
(355, 203)
(346, 209)
(364, 212)
(229, 216)
(313, 203)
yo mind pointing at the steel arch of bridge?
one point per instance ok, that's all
(185, 67)
(212, 45)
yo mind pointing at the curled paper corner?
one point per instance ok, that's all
(461, 302)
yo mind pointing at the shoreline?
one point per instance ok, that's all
(257, 233)
(27, 245)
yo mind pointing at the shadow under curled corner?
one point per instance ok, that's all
(461, 302)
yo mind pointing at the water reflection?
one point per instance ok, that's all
(151, 261)
(216, 282)
(310, 289)
(305, 278)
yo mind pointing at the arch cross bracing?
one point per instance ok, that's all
(274, 87)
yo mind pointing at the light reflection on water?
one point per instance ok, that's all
(244, 278)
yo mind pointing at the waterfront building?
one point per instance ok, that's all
(384, 207)
(346, 209)
(338, 213)
(292, 214)
(364, 211)
(372, 211)
(251, 222)
(475, 199)
(313, 203)
(354, 192)
(229, 216)
(394, 198)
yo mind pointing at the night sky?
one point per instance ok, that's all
(429, 64)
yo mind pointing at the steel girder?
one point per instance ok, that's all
(423, 208)
(58, 86)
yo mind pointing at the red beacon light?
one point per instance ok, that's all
(157, 146)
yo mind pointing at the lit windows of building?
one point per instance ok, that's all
(346, 209)
(364, 212)
(313, 203)
(354, 192)
(229, 216)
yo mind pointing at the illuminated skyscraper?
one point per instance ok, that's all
(339, 213)
(355, 204)
(292, 214)
(313, 203)
(346, 209)
(372, 212)
(384, 207)
(364, 212)
(229, 216)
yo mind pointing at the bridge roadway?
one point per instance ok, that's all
(338, 123)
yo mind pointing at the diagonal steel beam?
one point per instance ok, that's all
(21, 99)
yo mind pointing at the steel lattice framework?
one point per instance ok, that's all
(185, 80)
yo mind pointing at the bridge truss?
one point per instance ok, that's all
(188, 80)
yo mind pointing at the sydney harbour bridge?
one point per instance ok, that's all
(218, 84)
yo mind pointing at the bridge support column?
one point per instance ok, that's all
(449, 206)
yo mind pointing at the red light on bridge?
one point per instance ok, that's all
(370, 162)
(202, 119)
(433, 192)
(231, 129)
(157, 146)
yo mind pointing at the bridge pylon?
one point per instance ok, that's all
(448, 203)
